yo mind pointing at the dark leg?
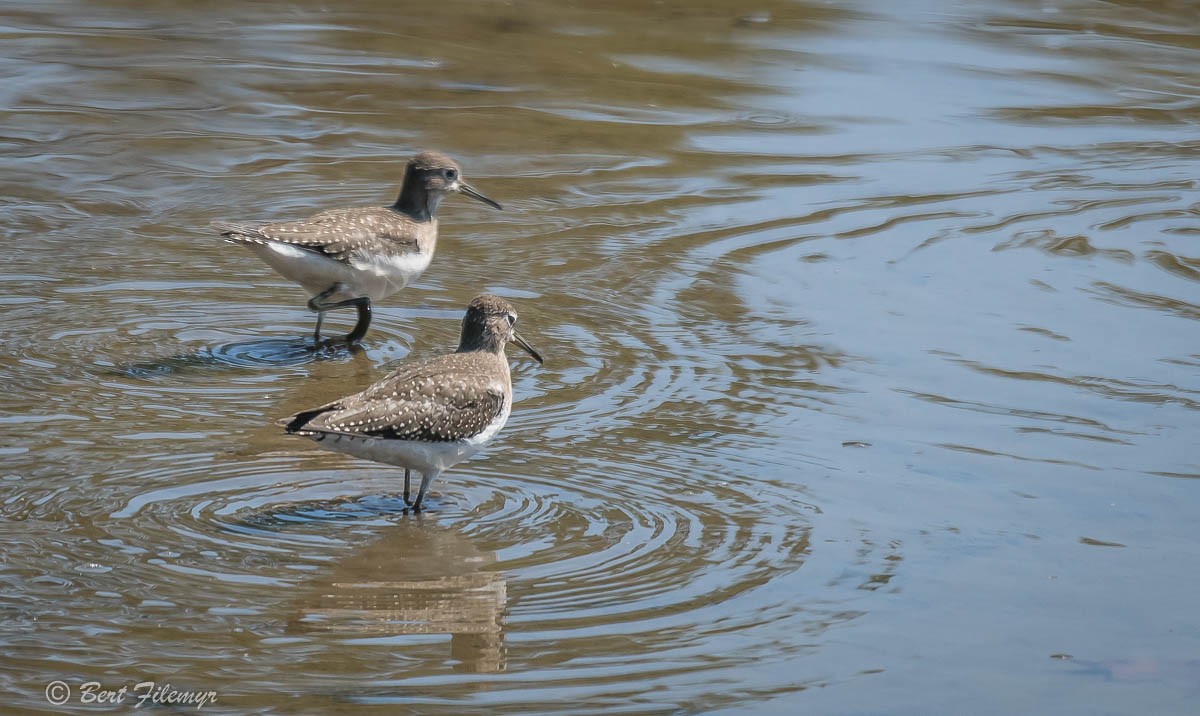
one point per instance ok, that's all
(317, 330)
(406, 475)
(427, 478)
(319, 304)
(364, 320)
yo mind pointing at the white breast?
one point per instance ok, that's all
(381, 276)
(493, 427)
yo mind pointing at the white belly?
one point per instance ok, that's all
(423, 457)
(376, 278)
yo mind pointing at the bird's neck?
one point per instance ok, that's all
(481, 342)
(415, 200)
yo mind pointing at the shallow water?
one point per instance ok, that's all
(872, 379)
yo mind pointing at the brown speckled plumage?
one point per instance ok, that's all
(341, 234)
(450, 397)
(352, 256)
(428, 415)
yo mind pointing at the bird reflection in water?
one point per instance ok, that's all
(418, 579)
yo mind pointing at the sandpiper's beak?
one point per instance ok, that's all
(470, 191)
(528, 348)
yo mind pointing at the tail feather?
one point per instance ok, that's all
(240, 233)
(295, 424)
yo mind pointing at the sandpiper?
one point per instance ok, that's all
(429, 415)
(353, 256)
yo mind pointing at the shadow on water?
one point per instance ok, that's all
(417, 579)
(246, 354)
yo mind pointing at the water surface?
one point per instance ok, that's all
(872, 379)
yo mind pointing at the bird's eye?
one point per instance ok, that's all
(512, 320)
(451, 174)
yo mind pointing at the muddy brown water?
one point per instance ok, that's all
(873, 358)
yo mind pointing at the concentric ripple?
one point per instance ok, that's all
(869, 338)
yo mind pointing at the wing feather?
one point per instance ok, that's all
(426, 402)
(340, 234)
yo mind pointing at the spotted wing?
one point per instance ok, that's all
(340, 234)
(425, 403)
